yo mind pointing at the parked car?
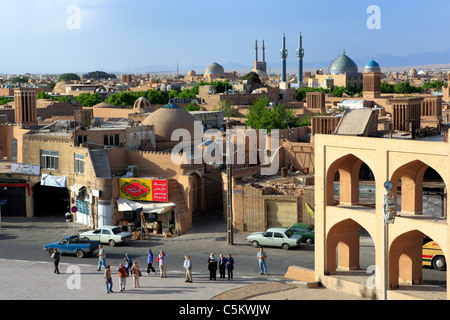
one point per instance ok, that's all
(432, 255)
(108, 234)
(306, 230)
(74, 244)
(275, 237)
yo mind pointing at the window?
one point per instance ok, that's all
(79, 163)
(111, 140)
(268, 234)
(82, 139)
(14, 150)
(49, 159)
(104, 231)
(278, 235)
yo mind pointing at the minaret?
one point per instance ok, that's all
(264, 53)
(283, 54)
(300, 55)
(256, 51)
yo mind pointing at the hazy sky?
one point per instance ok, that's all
(49, 36)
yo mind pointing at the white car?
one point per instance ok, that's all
(108, 234)
(275, 237)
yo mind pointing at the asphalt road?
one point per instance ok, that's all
(23, 239)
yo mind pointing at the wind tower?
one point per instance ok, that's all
(283, 54)
(300, 55)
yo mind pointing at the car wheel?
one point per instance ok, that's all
(255, 244)
(439, 263)
(112, 243)
(80, 253)
(309, 241)
(285, 246)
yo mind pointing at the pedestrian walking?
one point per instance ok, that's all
(230, 266)
(122, 277)
(128, 263)
(108, 279)
(56, 256)
(262, 257)
(101, 258)
(150, 262)
(136, 274)
(188, 268)
(222, 266)
(162, 261)
(212, 267)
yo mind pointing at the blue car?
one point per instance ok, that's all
(75, 244)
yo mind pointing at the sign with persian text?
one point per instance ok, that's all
(144, 189)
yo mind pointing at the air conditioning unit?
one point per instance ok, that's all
(133, 169)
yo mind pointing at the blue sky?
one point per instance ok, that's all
(140, 35)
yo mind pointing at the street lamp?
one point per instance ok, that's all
(389, 210)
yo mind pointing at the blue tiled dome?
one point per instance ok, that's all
(214, 68)
(342, 65)
(372, 66)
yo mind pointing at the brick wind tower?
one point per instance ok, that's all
(300, 55)
(283, 54)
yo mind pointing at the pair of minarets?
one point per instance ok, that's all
(300, 55)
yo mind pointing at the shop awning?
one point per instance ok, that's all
(52, 181)
(147, 207)
(76, 188)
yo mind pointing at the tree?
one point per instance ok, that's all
(68, 77)
(405, 88)
(89, 99)
(228, 110)
(387, 87)
(97, 75)
(19, 80)
(192, 107)
(252, 77)
(262, 116)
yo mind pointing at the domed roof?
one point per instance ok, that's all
(262, 75)
(412, 71)
(191, 73)
(214, 68)
(372, 67)
(105, 105)
(343, 64)
(167, 119)
(142, 104)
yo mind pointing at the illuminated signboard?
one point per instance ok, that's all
(144, 189)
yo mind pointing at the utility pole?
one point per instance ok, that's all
(229, 165)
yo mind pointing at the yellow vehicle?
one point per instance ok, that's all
(432, 255)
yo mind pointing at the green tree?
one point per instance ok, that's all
(251, 77)
(192, 107)
(387, 87)
(97, 75)
(262, 116)
(43, 95)
(228, 110)
(19, 79)
(405, 87)
(89, 99)
(68, 77)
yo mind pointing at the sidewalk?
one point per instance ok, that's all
(33, 280)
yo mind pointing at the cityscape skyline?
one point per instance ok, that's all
(49, 36)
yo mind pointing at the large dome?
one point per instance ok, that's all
(262, 75)
(372, 67)
(214, 68)
(167, 119)
(342, 65)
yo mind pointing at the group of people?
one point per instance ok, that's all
(130, 268)
(224, 264)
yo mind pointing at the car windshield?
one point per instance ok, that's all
(288, 233)
(116, 230)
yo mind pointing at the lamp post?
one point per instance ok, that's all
(389, 209)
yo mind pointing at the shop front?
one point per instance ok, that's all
(143, 202)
